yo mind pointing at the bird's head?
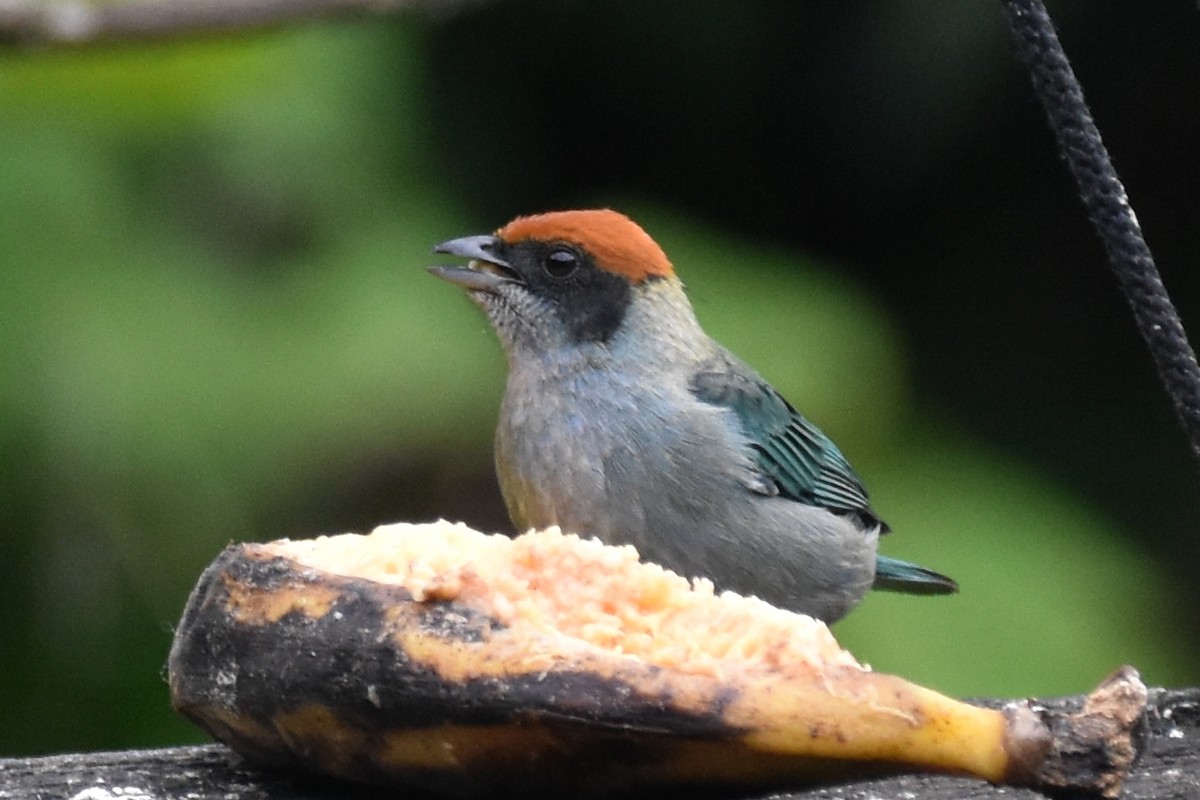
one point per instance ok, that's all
(564, 278)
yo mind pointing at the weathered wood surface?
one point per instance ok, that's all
(1169, 769)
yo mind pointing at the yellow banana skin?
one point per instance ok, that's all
(357, 679)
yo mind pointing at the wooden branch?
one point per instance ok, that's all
(74, 22)
(1169, 769)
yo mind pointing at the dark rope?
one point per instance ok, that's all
(1108, 206)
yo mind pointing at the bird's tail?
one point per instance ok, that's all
(892, 575)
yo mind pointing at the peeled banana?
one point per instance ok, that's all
(436, 656)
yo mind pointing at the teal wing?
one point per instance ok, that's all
(798, 461)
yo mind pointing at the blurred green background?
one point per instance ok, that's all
(216, 324)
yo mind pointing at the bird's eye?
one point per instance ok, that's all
(561, 262)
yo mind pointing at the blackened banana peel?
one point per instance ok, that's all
(439, 687)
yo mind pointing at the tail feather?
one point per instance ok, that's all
(892, 575)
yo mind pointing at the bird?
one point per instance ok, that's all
(623, 420)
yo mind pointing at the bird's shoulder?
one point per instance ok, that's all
(795, 459)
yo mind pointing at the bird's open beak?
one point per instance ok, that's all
(486, 271)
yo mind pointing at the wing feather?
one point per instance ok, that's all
(790, 451)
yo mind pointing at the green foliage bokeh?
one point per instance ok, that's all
(212, 299)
